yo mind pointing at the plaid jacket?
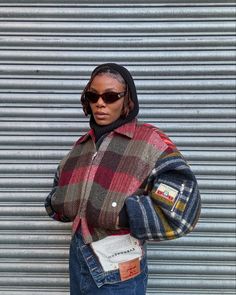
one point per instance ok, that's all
(137, 166)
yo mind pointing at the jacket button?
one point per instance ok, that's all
(114, 204)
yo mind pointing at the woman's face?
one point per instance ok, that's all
(106, 113)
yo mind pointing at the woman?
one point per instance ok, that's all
(123, 183)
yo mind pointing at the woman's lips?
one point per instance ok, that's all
(101, 115)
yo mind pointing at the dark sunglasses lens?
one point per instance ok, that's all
(91, 96)
(110, 97)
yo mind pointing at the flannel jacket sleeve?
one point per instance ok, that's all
(152, 216)
(48, 206)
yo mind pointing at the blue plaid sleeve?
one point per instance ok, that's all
(171, 207)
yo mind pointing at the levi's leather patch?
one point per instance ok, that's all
(129, 269)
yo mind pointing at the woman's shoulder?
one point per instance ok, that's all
(153, 134)
(148, 128)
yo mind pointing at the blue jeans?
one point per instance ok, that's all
(88, 278)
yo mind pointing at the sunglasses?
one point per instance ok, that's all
(107, 97)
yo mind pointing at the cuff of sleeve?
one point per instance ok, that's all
(52, 213)
(141, 217)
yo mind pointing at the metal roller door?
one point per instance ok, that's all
(182, 56)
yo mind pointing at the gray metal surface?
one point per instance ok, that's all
(182, 56)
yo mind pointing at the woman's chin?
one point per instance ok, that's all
(102, 122)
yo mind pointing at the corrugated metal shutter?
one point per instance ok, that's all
(183, 60)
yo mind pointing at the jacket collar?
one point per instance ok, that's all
(127, 129)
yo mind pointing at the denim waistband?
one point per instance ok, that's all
(100, 276)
